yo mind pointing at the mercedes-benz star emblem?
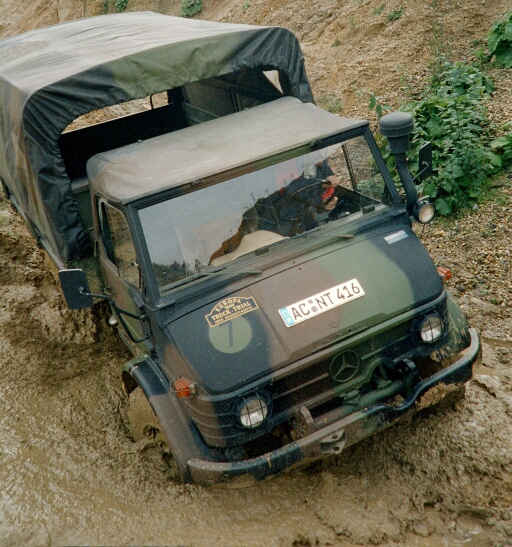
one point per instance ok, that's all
(344, 366)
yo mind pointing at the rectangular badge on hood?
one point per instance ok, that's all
(321, 302)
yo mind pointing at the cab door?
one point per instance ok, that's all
(121, 273)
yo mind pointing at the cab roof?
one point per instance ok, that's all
(154, 165)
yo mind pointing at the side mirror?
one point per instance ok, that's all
(425, 169)
(75, 288)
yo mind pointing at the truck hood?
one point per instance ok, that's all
(297, 311)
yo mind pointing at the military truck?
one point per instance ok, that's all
(257, 255)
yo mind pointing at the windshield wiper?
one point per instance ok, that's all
(193, 277)
(214, 272)
(245, 273)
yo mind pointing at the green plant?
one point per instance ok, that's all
(461, 79)
(336, 43)
(503, 146)
(376, 104)
(121, 5)
(191, 7)
(379, 9)
(106, 6)
(481, 57)
(452, 116)
(395, 14)
(500, 42)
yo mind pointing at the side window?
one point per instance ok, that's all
(118, 243)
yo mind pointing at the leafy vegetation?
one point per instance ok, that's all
(503, 146)
(500, 42)
(191, 7)
(452, 116)
(376, 104)
(121, 5)
(395, 14)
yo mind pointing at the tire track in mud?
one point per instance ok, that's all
(70, 474)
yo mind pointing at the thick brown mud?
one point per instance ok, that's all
(70, 474)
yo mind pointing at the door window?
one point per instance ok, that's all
(118, 243)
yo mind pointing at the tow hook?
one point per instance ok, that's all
(334, 443)
(411, 375)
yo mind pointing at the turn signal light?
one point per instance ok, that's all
(184, 388)
(444, 273)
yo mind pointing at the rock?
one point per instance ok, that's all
(485, 307)
(496, 338)
(490, 383)
(422, 529)
(506, 515)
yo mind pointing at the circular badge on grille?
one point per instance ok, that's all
(344, 367)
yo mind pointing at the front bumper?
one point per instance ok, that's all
(336, 436)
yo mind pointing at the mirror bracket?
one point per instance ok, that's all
(424, 163)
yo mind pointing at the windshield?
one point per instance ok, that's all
(214, 225)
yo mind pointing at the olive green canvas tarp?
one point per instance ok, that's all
(50, 76)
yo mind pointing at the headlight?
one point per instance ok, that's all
(424, 211)
(253, 412)
(431, 328)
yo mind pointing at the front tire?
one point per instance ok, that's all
(145, 429)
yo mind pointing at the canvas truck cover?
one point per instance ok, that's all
(50, 76)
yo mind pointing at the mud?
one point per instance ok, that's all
(71, 474)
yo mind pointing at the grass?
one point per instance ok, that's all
(395, 14)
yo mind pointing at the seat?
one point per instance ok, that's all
(249, 243)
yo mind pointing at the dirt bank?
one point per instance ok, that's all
(71, 475)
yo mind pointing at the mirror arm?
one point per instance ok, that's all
(420, 173)
(82, 290)
(120, 312)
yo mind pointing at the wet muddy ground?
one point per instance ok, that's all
(70, 474)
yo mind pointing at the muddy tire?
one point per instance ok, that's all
(141, 420)
(145, 429)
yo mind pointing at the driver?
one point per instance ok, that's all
(295, 208)
(289, 211)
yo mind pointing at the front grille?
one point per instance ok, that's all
(309, 383)
(313, 385)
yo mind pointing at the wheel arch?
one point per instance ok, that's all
(183, 438)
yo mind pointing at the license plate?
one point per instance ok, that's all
(321, 302)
